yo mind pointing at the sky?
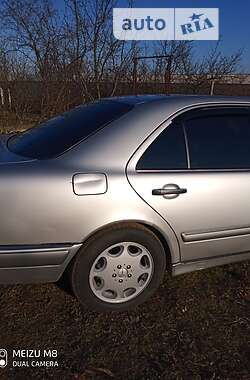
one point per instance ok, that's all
(234, 23)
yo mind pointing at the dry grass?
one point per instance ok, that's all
(10, 122)
(195, 327)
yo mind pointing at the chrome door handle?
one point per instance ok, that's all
(165, 191)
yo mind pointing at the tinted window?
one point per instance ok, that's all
(55, 136)
(166, 152)
(219, 141)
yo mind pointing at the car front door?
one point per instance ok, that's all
(195, 173)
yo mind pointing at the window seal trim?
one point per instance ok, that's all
(192, 170)
(186, 145)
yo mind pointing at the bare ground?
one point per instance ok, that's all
(197, 326)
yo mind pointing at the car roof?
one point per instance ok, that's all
(166, 99)
(137, 99)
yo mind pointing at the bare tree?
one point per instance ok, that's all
(98, 55)
(176, 52)
(214, 67)
(32, 30)
(33, 33)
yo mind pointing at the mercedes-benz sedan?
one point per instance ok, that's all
(113, 193)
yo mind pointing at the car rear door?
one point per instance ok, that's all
(195, 173)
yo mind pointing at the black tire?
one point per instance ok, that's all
(82, 263)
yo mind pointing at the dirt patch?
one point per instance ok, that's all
(197, 326)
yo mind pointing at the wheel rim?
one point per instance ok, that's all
(121, 272)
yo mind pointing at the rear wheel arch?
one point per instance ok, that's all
(164, 242)
(137, 224)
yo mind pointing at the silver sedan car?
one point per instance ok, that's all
(113, 193)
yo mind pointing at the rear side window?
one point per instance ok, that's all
(57, 135)
(167, 151)
(219, 141)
